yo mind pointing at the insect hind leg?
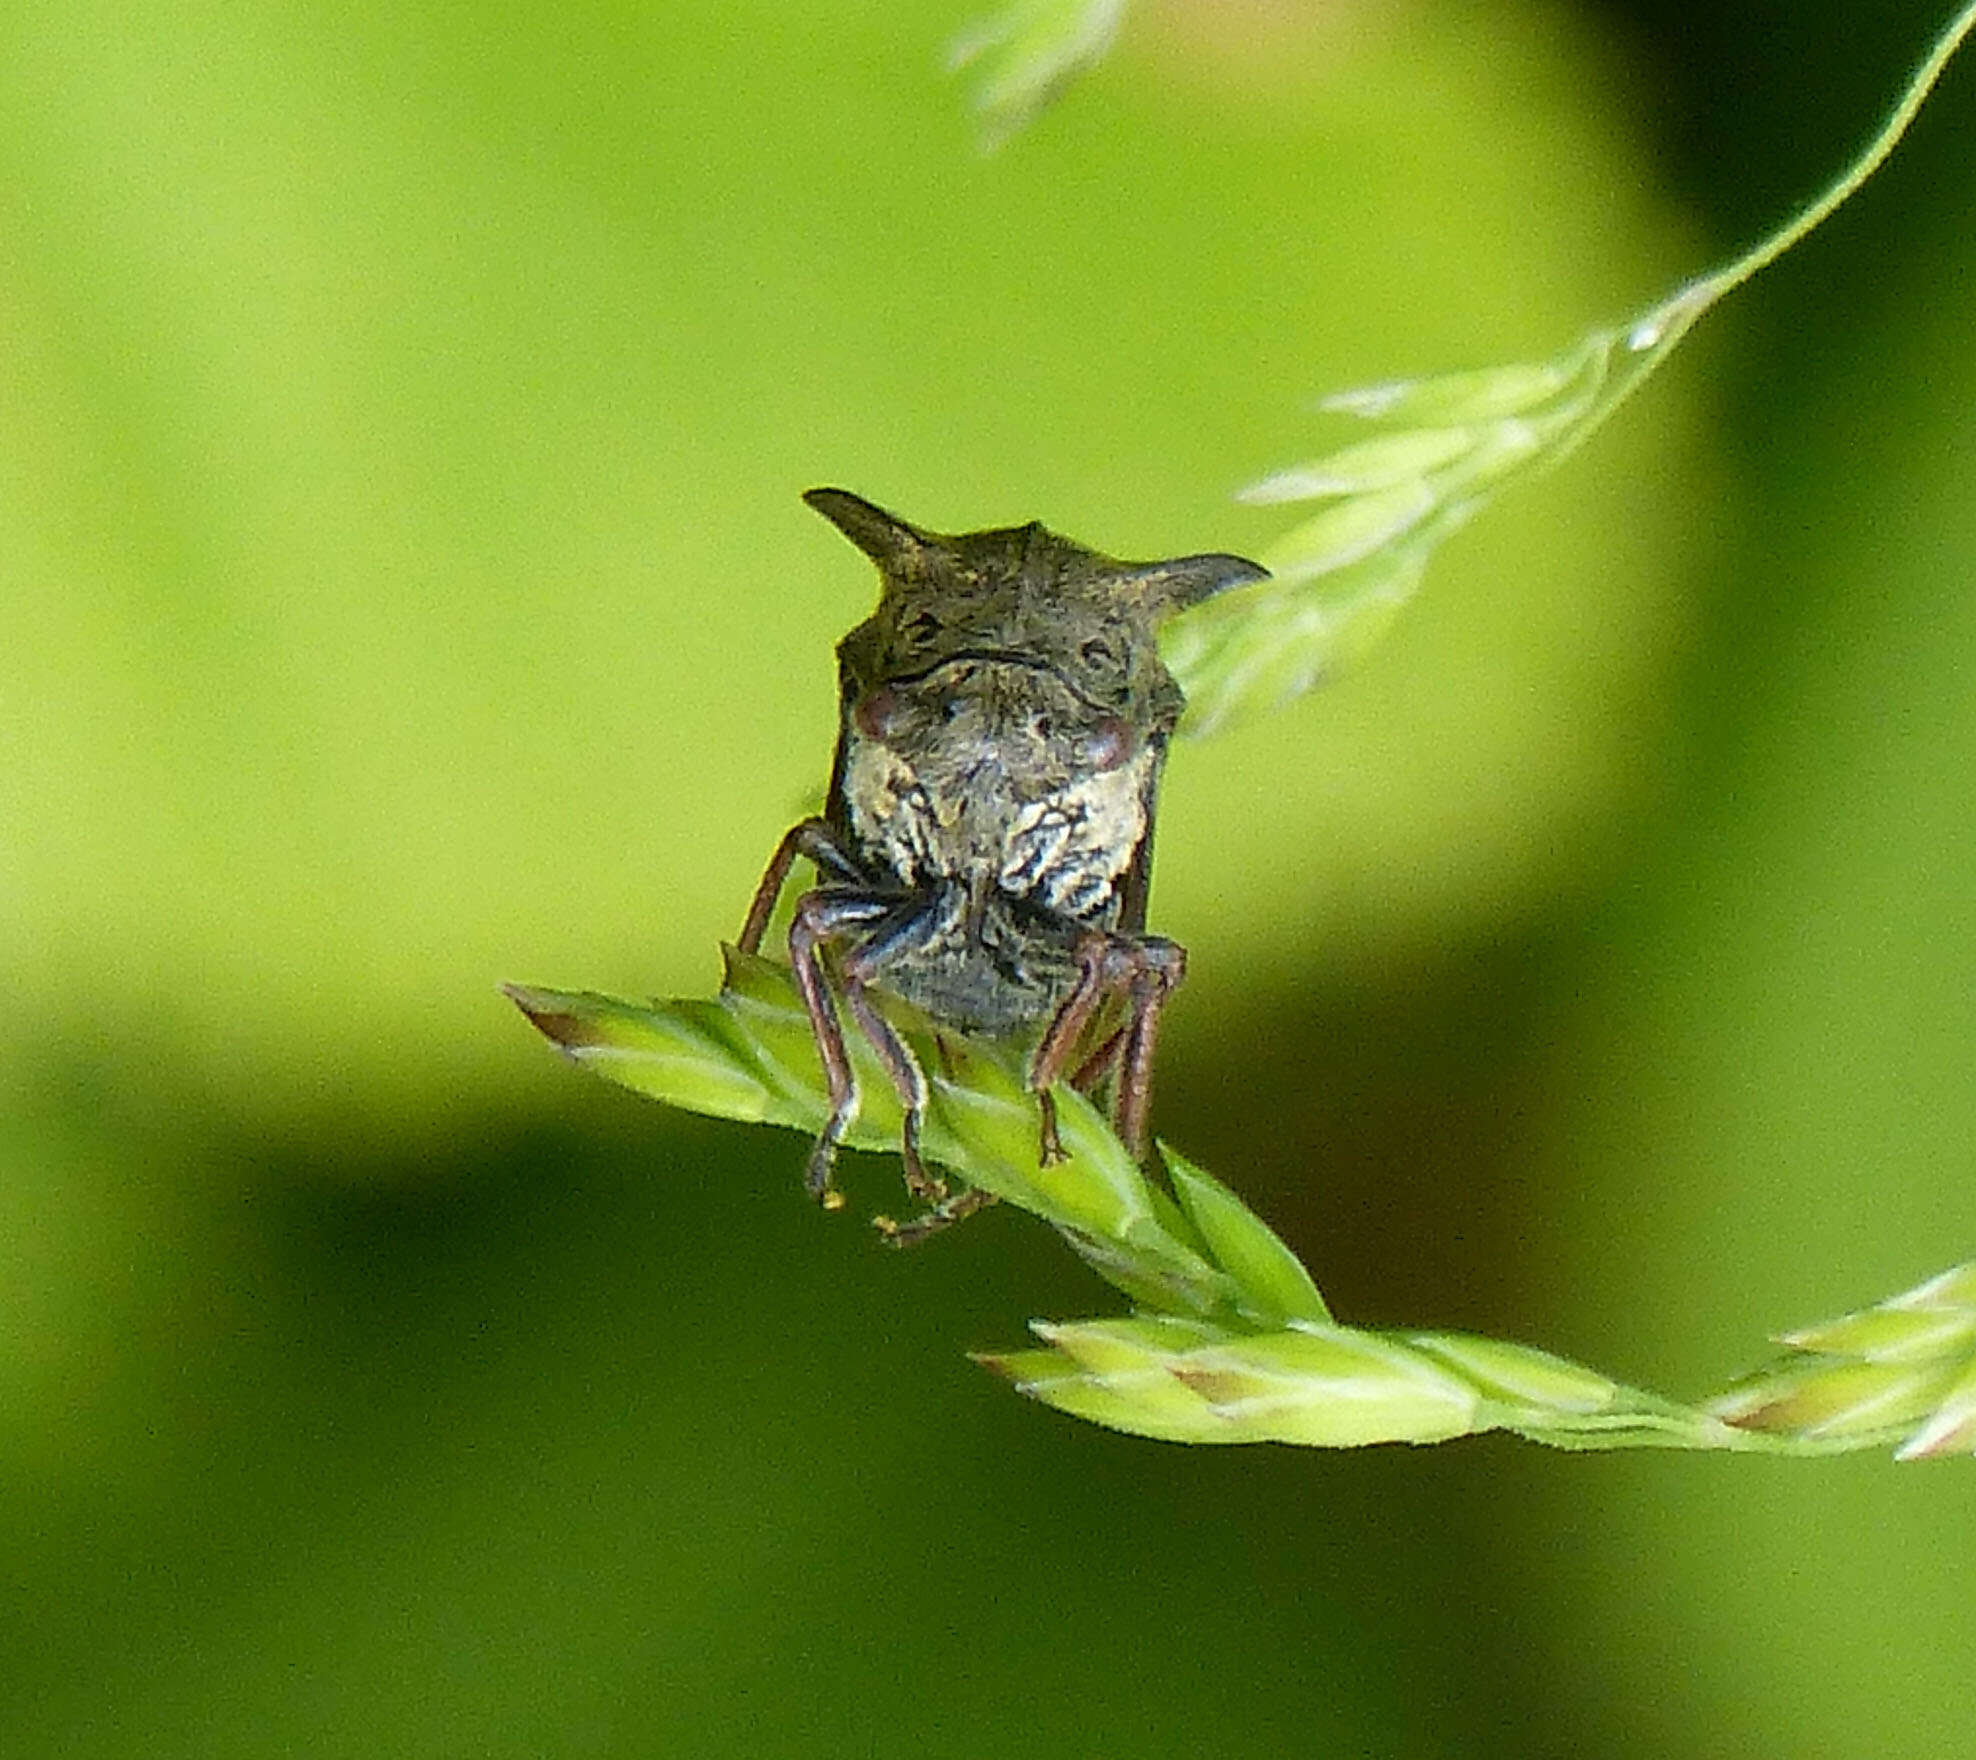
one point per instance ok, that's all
(1161, 965)
(1098, 974)
(1143, 971)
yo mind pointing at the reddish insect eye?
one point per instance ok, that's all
(1108, 745)
(874, 713)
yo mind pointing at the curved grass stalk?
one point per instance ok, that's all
(1446, 445)
(1229, 1339)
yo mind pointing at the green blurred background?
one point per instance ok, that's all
(403, 588)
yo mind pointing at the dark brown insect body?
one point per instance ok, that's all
(986, 845)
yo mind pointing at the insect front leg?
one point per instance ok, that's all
(815, 839)
(1093, 1070)
(907, 928)
(823, 916)
(876, 929)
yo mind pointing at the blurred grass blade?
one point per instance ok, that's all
(1027, 54)
(1450, 445)
(1447, 446)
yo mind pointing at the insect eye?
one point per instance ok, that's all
(1096, 653)
(1108, 745)
(874, 714)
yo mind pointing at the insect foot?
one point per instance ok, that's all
(942, 1216)
(985, 850)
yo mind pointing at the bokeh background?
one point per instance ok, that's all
(403, 588)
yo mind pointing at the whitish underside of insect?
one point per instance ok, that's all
(986, 845)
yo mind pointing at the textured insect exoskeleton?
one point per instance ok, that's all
(986, 845)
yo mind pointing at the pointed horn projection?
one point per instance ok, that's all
(888, 540)
(1167, 587)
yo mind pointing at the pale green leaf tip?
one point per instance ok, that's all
(1950, 1431)
(556, 1015)
(1272, 1282)
(1902, 1370)
(1954, 1288)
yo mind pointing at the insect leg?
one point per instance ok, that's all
(909, 928)
(819, 841)
(945, 1214)
(1159, 967)
(1099, 1064)
(1097, 972)
(908, 1079)
(823, 916)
